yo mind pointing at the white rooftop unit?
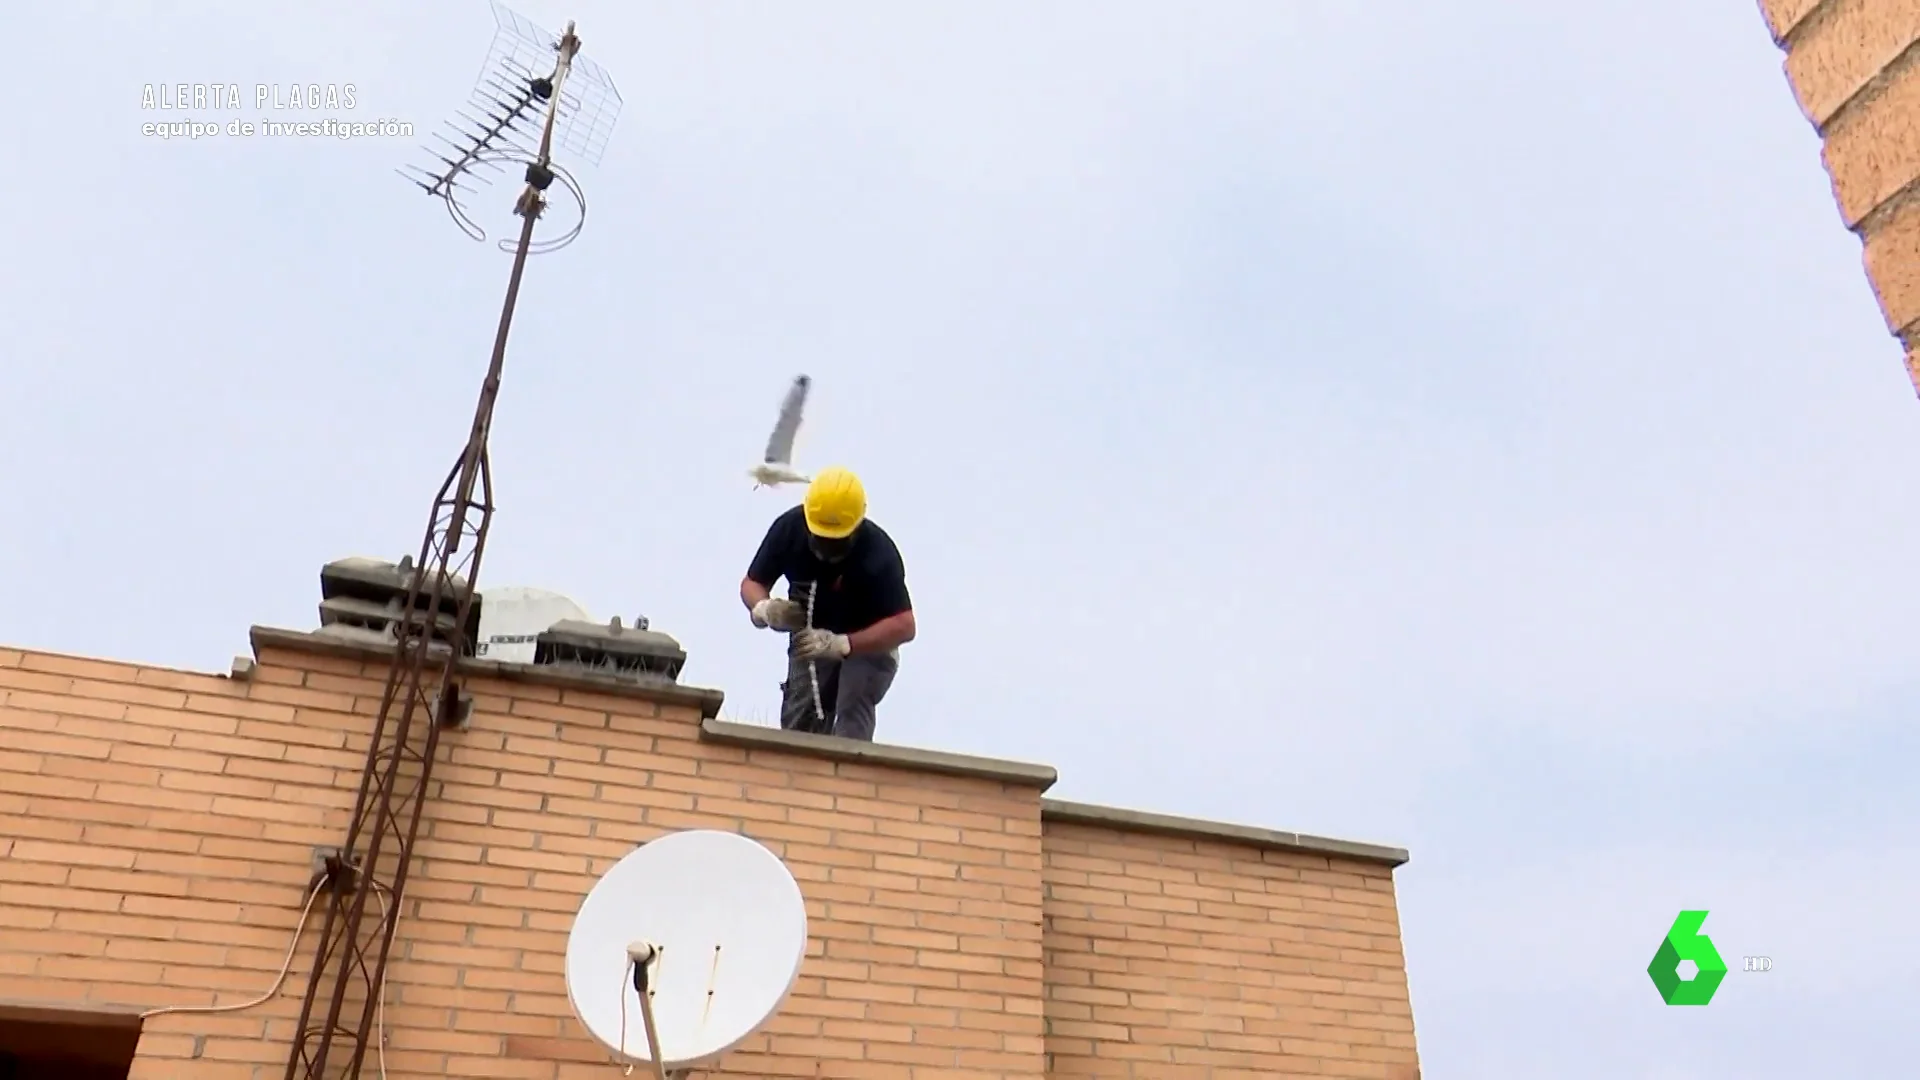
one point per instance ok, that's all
(513, 618)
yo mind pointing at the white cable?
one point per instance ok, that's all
(380, 1015)
(285, 966)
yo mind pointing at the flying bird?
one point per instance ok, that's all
(777, 468)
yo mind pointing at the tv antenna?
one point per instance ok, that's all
(684, 949)
(537, 94)
(527, 105)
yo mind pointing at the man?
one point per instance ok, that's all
(841, 663)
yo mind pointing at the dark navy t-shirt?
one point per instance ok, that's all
(869, 585)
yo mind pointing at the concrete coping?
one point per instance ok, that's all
(1107, 817)
(664, 693)
(1042, 777)
(753, 736)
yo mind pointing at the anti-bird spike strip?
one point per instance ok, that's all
(423, 694)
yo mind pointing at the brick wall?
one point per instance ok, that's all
(1852, 65)
(1169, 956)
(157, 827)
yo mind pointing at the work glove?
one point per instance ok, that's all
(778, 614)
(821, 645)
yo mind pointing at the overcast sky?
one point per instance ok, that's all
(1459, 426)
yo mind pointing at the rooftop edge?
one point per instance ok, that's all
(708, 701)
(1109, 817)
(1015, 773)
(1023, 774)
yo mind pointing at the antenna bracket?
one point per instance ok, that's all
(332, 867)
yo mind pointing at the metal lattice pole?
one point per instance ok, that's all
(421, 696)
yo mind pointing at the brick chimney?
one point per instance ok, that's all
(1852, 65)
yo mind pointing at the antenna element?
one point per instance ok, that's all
(535, 95)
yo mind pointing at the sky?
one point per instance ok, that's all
(1466, 427)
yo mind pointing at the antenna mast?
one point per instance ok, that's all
(535, 93)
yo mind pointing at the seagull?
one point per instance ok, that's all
(777, 468)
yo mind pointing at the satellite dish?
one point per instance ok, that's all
(512, 618)
(715, 927)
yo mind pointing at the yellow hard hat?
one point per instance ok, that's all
(836, 503)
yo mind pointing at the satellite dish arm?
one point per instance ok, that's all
(641, 956)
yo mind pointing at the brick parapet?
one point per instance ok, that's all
(157, 829)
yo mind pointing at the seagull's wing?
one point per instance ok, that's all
(780, 443)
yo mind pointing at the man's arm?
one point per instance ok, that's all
(896, 628)
(766, 567)
(752, 592)
(756, 588)
(884, 636)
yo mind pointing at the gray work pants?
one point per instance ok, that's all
(850, 690)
